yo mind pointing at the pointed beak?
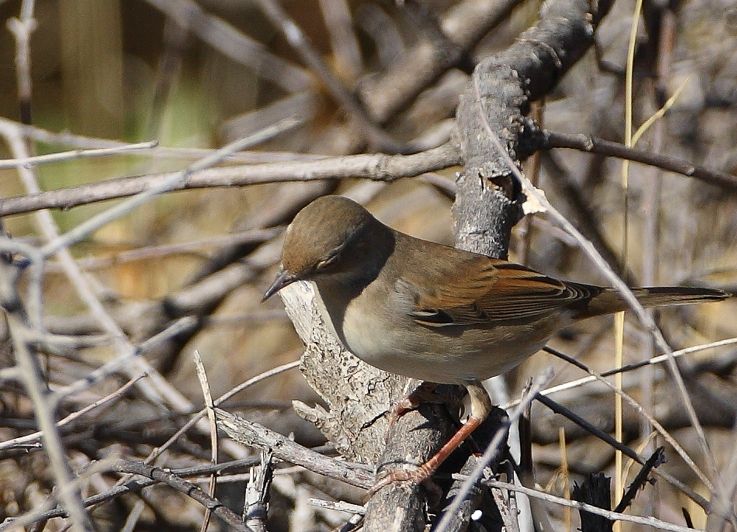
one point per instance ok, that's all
(283, 278)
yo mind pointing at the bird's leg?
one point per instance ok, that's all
(424, 393)
(480, 409)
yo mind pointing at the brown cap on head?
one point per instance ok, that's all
(316, 236)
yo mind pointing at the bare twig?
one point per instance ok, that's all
(82, 142)
(614, 516)
(123, 360)
(256, 505)
(41, 514)
(35, 436)
(134, 486)
(630, 367)
(379, 167)
(253, 434)
(22, 28)
(234, 44)
(209, 406)
(655, 460)
(221, 511)
(549, 140)
(338, 506)
(491, 451)
(302, 46)
(43, 405)
(466, 23)
(244, 385)
(76, 154)
(254, 236)
(615, 444)
(343, 39)
(133, 516)
(172, 182)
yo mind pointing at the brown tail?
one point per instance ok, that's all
(609, 300)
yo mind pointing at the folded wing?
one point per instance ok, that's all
(487, 291)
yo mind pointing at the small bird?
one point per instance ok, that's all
(433, 312)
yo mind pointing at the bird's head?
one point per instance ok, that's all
(327, 237)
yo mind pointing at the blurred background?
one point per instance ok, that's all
(199, 74)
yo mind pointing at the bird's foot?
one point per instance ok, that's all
(418, 476)
(424, 393)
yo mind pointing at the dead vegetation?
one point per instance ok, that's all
(125, 261)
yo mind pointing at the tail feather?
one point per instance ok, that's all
(609, 300)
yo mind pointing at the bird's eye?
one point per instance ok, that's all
(327, 262)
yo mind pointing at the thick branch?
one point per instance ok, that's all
(463, 25)
(488, 202)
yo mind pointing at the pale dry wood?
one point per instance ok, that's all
(255, 435)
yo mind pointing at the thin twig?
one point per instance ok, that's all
(193, 491)
(22, 28)
(133, 516)
(617, 445)
(614, 516)
(75, 154)
(491, 451)
(343, 38)
(630, 367)
(82, 142)
(132, 486)
(209, 406)
(549, 140)
(172, 182)
(233, 44)
(41, 514)
(338, 506)
(124, 360)
(613, 278)
(253, 434)
(655, 460)
(254, 236)
(302, 46)
(111, 397)
(44, 406)
(196, 417)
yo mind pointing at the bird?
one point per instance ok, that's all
(433, 312)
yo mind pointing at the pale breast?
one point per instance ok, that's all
(377, 328)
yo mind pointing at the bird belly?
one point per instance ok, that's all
(444, 354)
(377, 328)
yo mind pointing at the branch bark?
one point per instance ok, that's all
(488, 201)
(378, 167)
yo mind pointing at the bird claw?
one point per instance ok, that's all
(421, 475)
(424, 393)
(400, 408)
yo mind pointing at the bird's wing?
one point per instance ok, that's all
(482, 290)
